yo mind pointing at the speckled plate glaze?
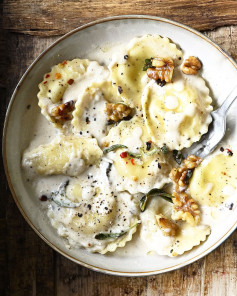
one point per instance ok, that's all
(90, 40)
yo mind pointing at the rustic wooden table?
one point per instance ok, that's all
(27, 265)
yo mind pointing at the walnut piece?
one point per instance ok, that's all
(191, 66)
(185, 208)
(117, 112)
(180, 176)
(167, 227)
(63, 111)
(163, 69)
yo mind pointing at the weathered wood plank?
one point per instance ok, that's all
(221, 269)
(3, 182)
(226, 37)
(48, 17)
(28, 261)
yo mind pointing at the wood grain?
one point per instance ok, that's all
(49, 17)
(27, 265)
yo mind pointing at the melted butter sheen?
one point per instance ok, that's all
(209, 180)
(139, 169)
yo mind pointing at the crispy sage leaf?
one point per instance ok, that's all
(154, 193)
(60, 198)
(134, 155)
(153, 151)
(178, 157)
(119, 146)
(147, 64)
(164, 149)
(107, 235)
(103, 236)
(114, 147)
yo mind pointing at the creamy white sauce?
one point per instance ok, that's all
(93, 121)
(133, 142)
(172, 122)
(171, 102)
(94, 73)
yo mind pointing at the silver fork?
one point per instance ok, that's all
(216, 131)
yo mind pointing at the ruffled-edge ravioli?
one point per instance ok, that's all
(132, 174)
(100, 210)
(215, 179)
(89, 117)
(65, 82)
(127, 74)
(178, 113)
(64, 155)
(187, 237)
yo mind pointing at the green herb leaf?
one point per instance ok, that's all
(114, 147)
(154, 193)
(103, 236)
(148, 64)
(143, 202)
(153, 151)
(164, 149)
(178, 157)
(134, 155)
(108, 235)
(60, 198)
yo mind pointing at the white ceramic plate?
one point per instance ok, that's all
(93, 41)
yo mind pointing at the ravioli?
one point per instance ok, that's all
(103, 219)
(131, 173)
(64, 83)
(186, 238)
(178, 113)
(64, 155)
(127, 71)
(214, 180)
(89, 117)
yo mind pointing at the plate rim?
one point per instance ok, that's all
(4, 146)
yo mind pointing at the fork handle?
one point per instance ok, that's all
(228, 102)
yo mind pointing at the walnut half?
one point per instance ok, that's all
(117, 112)
(191, 66)
(162, 69)
(167, 227)
(185, 208)
(180, 176)
(63, 111)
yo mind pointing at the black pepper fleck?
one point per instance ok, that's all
(120, 90)
(148, 146)
(229, 152)
(43, 197)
